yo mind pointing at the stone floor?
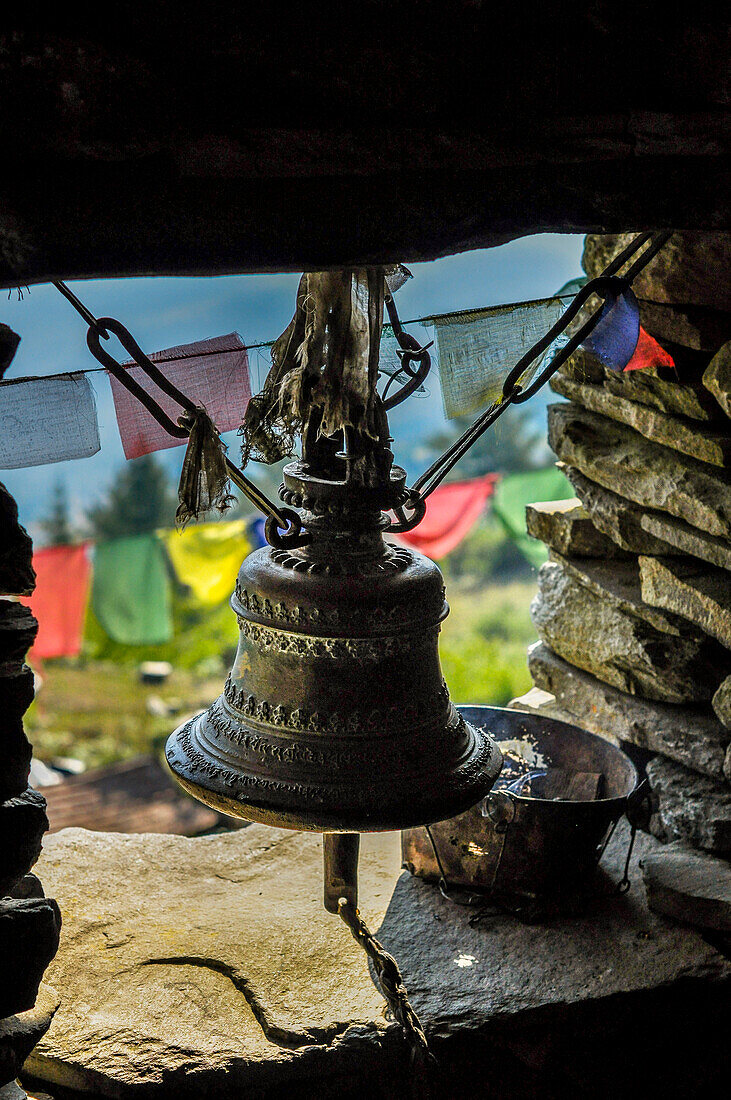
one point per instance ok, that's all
(208, 967)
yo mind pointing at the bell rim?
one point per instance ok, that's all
(401, 807)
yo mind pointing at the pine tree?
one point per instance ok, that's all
(140, 500)
(513, 444)
(56, 526)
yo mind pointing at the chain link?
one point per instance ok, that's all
(394, 992)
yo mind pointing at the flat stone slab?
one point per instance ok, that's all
(681, 434)
(679, 536)
(689, 886)
(692, 736)
(692, 808)
(565, 526)
(700, 594)
(618, 582)
(624, 462)
(721, 702)
(717, 378)
(207, 967)
(647, 387)
(618, 518)
(620, 648)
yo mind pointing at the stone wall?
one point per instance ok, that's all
(29, 922)
(633, 608)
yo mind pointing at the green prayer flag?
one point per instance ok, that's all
(131, 590)
(515, 491)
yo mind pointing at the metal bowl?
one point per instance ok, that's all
(516, 846)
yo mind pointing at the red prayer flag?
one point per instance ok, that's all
(212, 373)
(649, 353)
(59, 600)
(451, 512)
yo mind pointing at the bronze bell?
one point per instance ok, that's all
(335, 716)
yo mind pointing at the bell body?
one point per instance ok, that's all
(335, 716)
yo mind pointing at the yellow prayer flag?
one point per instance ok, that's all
(207, 557)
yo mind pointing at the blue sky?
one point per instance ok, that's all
(163, 312)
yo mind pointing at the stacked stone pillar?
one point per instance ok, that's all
(29, 922)
(633, 609)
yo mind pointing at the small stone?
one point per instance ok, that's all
(19, 1034)
(689, 886)
(619, 459)
(537, 701)
(717, 378)
(619, 519)
(721, 702)
(619, 648)
(686, 436)
(566, 527)
(23, 822)
(680, 537)
(690, 267)
(648, 387)
(697, 592)
(29, 934)
(691, 807)
(690, 735)
(618, 582)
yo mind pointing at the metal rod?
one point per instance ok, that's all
(340, 859)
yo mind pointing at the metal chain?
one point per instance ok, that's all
(607, 285)
(393, 989)
(284, 526)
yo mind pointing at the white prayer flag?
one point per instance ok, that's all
(45, 420)
(478, 349)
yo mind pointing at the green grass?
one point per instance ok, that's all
(484, 642)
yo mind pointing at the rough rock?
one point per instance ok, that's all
(565, 526)
(692, 326)
(18, 629)
(29, 932)
(23, 822)
(208, 967)
(717, 378)
(16, 692)
(691, 807)
(678, 536)
(687, 436)
(19, 1034)
(619, 648)
(690, 267)
(689, 735)
(697, 592)
(721, 702)
(16, 550)
(648, 387)
(618, 582)
(619, 459)
(689, 886)
(619, 519)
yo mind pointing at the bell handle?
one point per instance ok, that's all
(340, 855)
